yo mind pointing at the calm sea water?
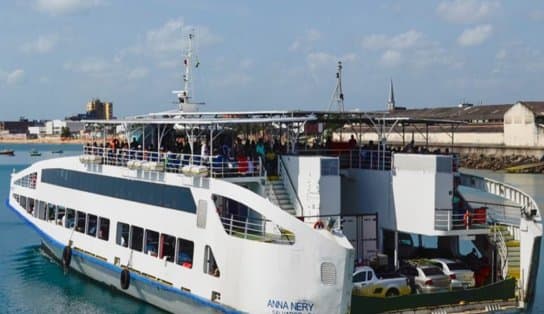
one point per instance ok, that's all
(33, 283)
(30, 282)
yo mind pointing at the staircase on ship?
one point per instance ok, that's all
(505, 241)
(278, 195)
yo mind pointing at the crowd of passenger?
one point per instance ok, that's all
(230, 155)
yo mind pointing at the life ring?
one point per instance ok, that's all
(66, 256)
(319, 225)
(125, 279)
(467, 219)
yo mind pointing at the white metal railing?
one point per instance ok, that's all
(256, 229)
(290, 187)
(529, 207)
(356, 158)
(215, 166)
(449, 219)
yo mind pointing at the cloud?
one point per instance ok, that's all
(92, 66)
(467, 11)
(391, 58)
(12, 78)
(316, 60)
(171, 37)
(137, 73)
(61, 7)
(518, 58)
(41, 45)
(305, 42)
(475, 36)
(409, 48)
(405, 40)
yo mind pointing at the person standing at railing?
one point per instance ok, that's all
(352, 142)
(204, 152)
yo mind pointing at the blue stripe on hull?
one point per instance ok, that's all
(115, 269)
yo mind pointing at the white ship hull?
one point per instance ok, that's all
(255, 276)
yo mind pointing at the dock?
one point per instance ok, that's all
(525, 168)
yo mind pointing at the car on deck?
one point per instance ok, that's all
(425, 278)
(367, 283)
(461, 276)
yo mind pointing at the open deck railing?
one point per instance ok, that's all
(215, 166)
(256, 229)
(356, 158)
(449, 219)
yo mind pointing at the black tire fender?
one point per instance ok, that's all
(66, 256)
(125, 279)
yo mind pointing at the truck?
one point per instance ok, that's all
(367, 283)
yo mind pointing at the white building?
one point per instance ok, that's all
(54, 127)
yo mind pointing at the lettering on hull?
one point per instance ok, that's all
(276, 306)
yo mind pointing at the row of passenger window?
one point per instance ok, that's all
(161, 245)
(89, 224)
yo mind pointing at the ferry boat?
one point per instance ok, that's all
(232, 212)
(186, 231)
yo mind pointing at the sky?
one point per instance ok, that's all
(56, 55)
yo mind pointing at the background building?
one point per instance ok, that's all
(97, 109)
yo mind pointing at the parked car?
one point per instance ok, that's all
(367, 283)
(426, 278)
(461, 276)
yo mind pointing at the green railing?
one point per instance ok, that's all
(503, 290)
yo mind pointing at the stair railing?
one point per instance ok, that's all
(283, 170)
(500, 243)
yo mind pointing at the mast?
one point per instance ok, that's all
(185, 95)
(338, 94)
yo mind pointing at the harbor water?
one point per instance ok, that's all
(33, 283)
(30, 281)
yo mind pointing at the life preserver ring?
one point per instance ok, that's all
(125, 279)
(467, 219)
(66, 256)
(319, 225)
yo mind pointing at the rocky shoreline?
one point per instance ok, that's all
(492, 162)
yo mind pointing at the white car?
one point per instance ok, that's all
(461, 276)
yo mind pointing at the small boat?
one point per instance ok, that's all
(35, 153)
(60, 151)
(8, 152)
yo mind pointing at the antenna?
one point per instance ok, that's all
(185, 95)
(338, 95)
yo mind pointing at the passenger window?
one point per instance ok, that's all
(30, 208)
(91, 225)
(122, 234)
(185, 253)
(22, 201)
(42, 208)
(70, 218)
(51, 212)
(61, 215)
(210, 265)
(136, 238)
(80, 221)
(104, 229)
(369, 275)
(151, 243)
(168, 247)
